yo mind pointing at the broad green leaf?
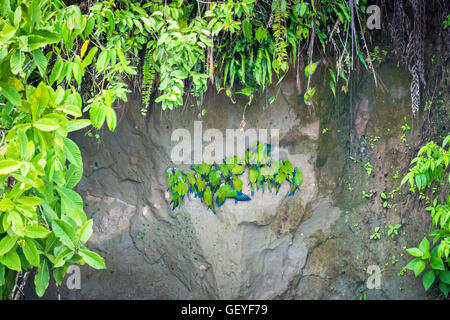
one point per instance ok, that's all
(92, 259)
(424, 245)
(111, 118)
(445, 277)
(36, 232)
(42, 278)
(10, 93)
(17, 61)
(437, 263)
(73, 176)
(415, 252)
(72, 201)
(65, 233)
(8, 166)
(56, 71)
(428, 279)
(30, 252)
(46, 124)
(40, 60)
(75, 125)
(417, 265)
(86, 231)
(11, 260)
(7, 243)
(72, 152)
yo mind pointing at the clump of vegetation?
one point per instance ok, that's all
(431, 166)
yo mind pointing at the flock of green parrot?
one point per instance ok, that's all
(221, 181)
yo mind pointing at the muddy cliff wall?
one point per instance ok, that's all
(313, 245)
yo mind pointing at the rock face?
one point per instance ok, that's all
(313, 245)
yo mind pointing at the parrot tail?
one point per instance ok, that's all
(219, 203)
(241, 197)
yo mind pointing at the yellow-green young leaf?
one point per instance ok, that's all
(86, 231)
(97, 115)
(11, 260)
(42, 278)
(111, 118)
(30, 252)
(62, 257)
(72, 152)
(6, 204)
(30, 201)
(17, 61)
(10, 93)
(36, 232)
(88, 60)
(46, 124)
(8, 166)
(65, 233)
(40, 61)
(7, 243)
(75, 125)
(92, 259)
(56, 71)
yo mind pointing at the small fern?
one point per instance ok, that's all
(148, 79)
(280, 9)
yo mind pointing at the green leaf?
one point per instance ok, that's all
(415, 252)
(437, 263)
(42, 279)
(73, 176)
(2, 275)
(428, 279)
(75, 125)
(424, 246)
(445, 276)
(7, 243)
(56, 71)
(17, 61)
(40, 60)
(11, 260)
(86, 231)
(10, 93)
(36, 232)
(46, 124)
(65, 233)
(417, 265)
(8, 166)
(71, 201)
(92, 259)
(30, 252)
(72, 152)
(111, 118)
(97, 115)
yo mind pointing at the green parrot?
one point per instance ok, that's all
(296, 181)
(253, 176)
(202, 169)
(201, 183)
(192, 182)
(208, 199)
(235, 165)
(214, 178)
(237, 183)
(226, 191)
(224, 169)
